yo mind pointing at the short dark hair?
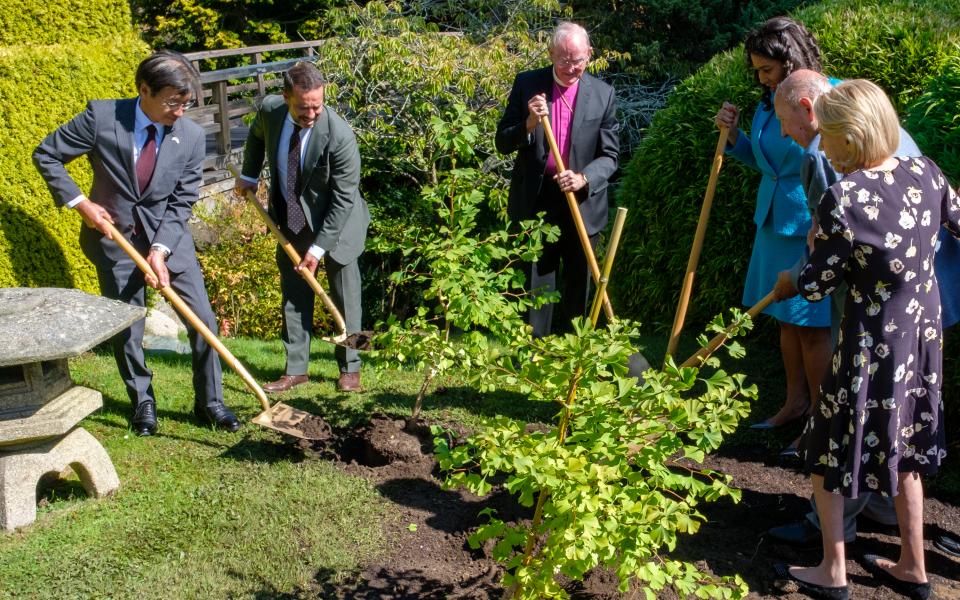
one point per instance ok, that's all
(784, 40)
(167, 68)
(303, 75)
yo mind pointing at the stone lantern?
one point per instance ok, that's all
(40, 406)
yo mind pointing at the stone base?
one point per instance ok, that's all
(21, 470)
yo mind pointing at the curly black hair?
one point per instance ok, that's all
(786, 41)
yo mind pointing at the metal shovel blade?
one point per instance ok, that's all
(293, 422)
(360, 340)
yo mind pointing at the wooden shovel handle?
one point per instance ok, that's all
(295, 257)
(697, 243)
(704, 353)
(577, 217)
(192, 318)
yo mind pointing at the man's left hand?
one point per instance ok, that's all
(158, 262)
(308, 263)
(570, 181)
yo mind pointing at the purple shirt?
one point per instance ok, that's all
(561, 119)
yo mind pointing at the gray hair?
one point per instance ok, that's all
(803, 83)
(567, 29)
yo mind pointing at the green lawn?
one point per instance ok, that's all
(204, 514)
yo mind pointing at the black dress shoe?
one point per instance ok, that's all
(144, 419)
(803, 533)
(948, 545)
(910, 589)
(782, 573)
(217, 415)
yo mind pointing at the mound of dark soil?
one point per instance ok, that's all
(428, 555)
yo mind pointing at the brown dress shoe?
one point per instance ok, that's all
(349, 382)
(285, 383)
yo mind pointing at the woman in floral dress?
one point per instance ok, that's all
(878, 423)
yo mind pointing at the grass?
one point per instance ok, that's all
(207, 514)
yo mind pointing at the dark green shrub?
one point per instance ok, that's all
(934, 120)
(901, 45)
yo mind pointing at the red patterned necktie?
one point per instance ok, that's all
(147, 159)
(296, 220)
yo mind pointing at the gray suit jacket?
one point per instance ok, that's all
(330, 181)
(104, 133)
(594, 148)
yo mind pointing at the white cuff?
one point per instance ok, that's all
(76, 201)
(161, 248)
(316, 251)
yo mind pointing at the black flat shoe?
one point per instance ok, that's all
(144, 421)
(948, 545)
(782, 573)
(219, 416)
(910, 589)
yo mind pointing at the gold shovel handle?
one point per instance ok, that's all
(191, 317)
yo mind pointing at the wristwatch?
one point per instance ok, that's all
(161, 250)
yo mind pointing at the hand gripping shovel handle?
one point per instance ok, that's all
(295, 257)
(704, 353)
(697, 243)
(192, 318)
(577, 217)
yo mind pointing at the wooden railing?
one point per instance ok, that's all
(229, 94)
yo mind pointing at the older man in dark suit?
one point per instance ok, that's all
(582, 111)
(147, 165)
(315, 199)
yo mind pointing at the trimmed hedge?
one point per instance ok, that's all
(42, 87)
(902, 45)
(71, 22)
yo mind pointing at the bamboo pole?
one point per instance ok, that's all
(694, 258)
(704, 353)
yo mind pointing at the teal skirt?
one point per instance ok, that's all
(773, 253)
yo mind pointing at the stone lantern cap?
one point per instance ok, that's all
(44, 324)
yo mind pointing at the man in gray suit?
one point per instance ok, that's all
(584, 121)
(315, 199)
(147, 165)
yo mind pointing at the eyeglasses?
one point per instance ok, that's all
(174, 105)
(572, 62)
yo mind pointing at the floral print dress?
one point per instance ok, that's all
(879, 409)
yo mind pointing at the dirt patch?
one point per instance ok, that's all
(428, 555)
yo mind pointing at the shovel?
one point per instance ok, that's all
(355, 341)
(697, 243)
(577, 218)
(697, 359)
(279, 417)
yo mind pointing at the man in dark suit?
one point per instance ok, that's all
(583, 117)
(147, 165)
(315, 199)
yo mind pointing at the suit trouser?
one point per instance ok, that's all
(125, 282)
(575, 271)
(875, 506)
(299, 301)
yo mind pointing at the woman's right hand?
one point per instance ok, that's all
(728, 116)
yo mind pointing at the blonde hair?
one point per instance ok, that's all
(861, 113)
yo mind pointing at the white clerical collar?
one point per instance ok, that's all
(553, 72)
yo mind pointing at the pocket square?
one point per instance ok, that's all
(175, 140)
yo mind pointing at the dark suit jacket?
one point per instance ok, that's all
(330, 180)
(594, 149)
(104, 133)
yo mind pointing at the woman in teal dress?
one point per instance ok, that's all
(773, 51)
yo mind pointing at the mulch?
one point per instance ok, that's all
(428, 557)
